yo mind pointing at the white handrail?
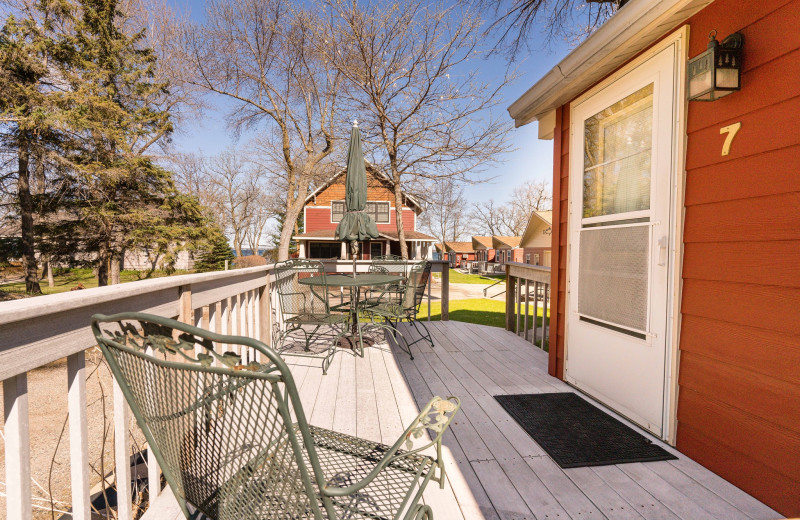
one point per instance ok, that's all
(38, 331)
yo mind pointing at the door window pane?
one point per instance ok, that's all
(617, 150)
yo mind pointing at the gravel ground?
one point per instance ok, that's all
(49, 433)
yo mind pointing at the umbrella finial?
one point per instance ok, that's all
(355, 123)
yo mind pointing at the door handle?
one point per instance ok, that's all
(662, 250)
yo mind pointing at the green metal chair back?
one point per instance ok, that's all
(417, 281)
(221, 431)
(296, 298)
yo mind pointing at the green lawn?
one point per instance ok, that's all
(458, 277)
(480, 311)
(68, 279)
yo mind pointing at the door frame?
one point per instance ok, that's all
(679, 39)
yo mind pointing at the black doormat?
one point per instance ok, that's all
(575, 433)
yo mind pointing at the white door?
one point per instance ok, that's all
(620, 198)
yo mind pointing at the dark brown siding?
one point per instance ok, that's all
(739, 374)
(739, 396)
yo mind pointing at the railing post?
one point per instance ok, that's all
(78, 435)
(535, 310)
(186, 313)
(122, 457)
(527, 306)
(509, 300)
(18, 450)
(264, 314)
(545, 319)
(445, 292)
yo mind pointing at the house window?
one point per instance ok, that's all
(379, 211)
(528, 258)
(536, 259)
(337, 210)
(324, 250)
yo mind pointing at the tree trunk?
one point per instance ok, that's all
(116, 266)
(289, 225)
(398, 209)
(26, 213)
(103, 259)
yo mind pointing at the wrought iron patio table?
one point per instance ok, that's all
(354, 283)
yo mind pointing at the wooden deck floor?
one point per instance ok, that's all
(496, 471)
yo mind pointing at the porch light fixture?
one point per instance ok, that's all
(718, 71)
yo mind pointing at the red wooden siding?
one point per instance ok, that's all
(739, 396)
(558, 271)
(739, 382)
(318, 218)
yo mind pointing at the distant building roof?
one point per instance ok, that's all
(459, 247)
(505, 242)
(479, 242)
(538, 220)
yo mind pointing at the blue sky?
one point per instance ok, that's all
(532, 159)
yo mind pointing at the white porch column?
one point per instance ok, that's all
(301, 253)
(343, 254)
(418, 249)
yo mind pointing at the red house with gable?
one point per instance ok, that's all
(325, 207)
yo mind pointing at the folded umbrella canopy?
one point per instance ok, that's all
(355, 225)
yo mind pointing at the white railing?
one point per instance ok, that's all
(41, 330)
(527, 286)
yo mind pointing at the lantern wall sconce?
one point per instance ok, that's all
(716, 72)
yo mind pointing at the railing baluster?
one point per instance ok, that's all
(153, 469)
(535, 311)
(122, 456)
(18, 451)
(429, 299)
(518, 306)
(545, 319)
(527, 303)
(445, 314)
(78, 435)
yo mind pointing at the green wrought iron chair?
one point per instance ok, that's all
(392, 307)
(224, 435)
(305, 307)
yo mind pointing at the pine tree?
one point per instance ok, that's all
(218, 252)
(31, 55)
(113, 103)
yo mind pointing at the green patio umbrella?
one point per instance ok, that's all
(355, 225)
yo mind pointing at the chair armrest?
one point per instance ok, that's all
(436, 416)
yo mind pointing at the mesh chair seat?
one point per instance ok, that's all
(346, 459)
(318, 319)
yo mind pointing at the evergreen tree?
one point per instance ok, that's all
(31, 56)
(217, 253)
(120, 194)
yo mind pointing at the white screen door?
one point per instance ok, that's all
(620, 199)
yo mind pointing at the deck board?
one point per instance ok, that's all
(496, 471)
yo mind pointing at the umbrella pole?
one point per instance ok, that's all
(354, 252)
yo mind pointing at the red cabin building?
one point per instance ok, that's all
(676, 230)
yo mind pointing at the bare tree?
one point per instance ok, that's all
(511, 217)
(515, 20)
(426, 113)
(258, 54)
(446, 211)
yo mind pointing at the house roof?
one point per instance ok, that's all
(372, 169)
(505, 242)
(636, 26)
(327, 234)
(481, 242)
(459, 247)
(537, 220)
(439, 247)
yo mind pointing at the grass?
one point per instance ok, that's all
(459, 277)
(479, 311)
(67, 280)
